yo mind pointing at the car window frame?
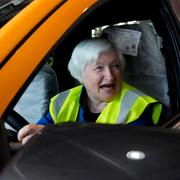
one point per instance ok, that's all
(65, 35)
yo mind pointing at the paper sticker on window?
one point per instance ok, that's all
(126, 40)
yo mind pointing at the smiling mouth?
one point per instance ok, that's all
(107, 86)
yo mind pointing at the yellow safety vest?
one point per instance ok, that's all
(127, 107)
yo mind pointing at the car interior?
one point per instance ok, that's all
(147, 71)
(150, 70)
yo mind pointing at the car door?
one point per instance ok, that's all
(54, 30)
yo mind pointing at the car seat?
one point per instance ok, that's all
(145, 64)
(34, 103)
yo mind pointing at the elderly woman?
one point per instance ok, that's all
(103, 96)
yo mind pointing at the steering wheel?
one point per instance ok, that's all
(16, 121)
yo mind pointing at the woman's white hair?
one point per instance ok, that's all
(87, 52)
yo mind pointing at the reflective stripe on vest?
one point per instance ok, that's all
(127, 102)
(60, 101)
(126, 108)
(64, 106)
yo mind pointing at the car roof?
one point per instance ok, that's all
(96, 151)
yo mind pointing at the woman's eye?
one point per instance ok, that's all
(98, 68)
(116, 66)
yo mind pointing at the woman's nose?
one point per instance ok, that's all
(108, 74)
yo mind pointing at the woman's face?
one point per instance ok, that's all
(103, 79)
